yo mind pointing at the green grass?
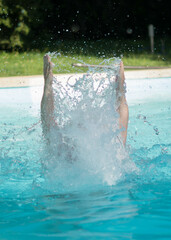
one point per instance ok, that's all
(94, 52)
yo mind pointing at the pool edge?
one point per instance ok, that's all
(37, 80)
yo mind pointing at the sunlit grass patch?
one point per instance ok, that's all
(69, 52)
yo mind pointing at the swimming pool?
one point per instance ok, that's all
(136, 207)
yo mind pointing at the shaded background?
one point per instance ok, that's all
(37, 24)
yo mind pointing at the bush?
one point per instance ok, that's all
(13, 25)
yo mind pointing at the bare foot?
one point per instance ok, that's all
(47, 103)
(48, 65)
(48, 77)
(123, 107)
(122, 75)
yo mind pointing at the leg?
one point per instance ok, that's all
(47, 103)
(123, 107)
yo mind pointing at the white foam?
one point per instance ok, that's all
(86, 141)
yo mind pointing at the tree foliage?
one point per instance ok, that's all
(13, 24)
(32, 24)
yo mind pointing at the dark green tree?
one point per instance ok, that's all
(13, 24)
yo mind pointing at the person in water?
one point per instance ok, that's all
(47, 103)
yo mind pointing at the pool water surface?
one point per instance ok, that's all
(137, 206)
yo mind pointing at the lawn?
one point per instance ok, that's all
(91, 52)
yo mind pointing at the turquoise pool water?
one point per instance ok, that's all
(137, 206)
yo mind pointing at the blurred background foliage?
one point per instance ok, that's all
(41, 24)
(87, 31)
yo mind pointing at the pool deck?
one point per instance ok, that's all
(37, 80)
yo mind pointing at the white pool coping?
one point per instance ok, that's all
(138, 91)
(37, 80)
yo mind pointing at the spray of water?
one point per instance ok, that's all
(85, 147)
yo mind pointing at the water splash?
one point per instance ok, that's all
(85, 147)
